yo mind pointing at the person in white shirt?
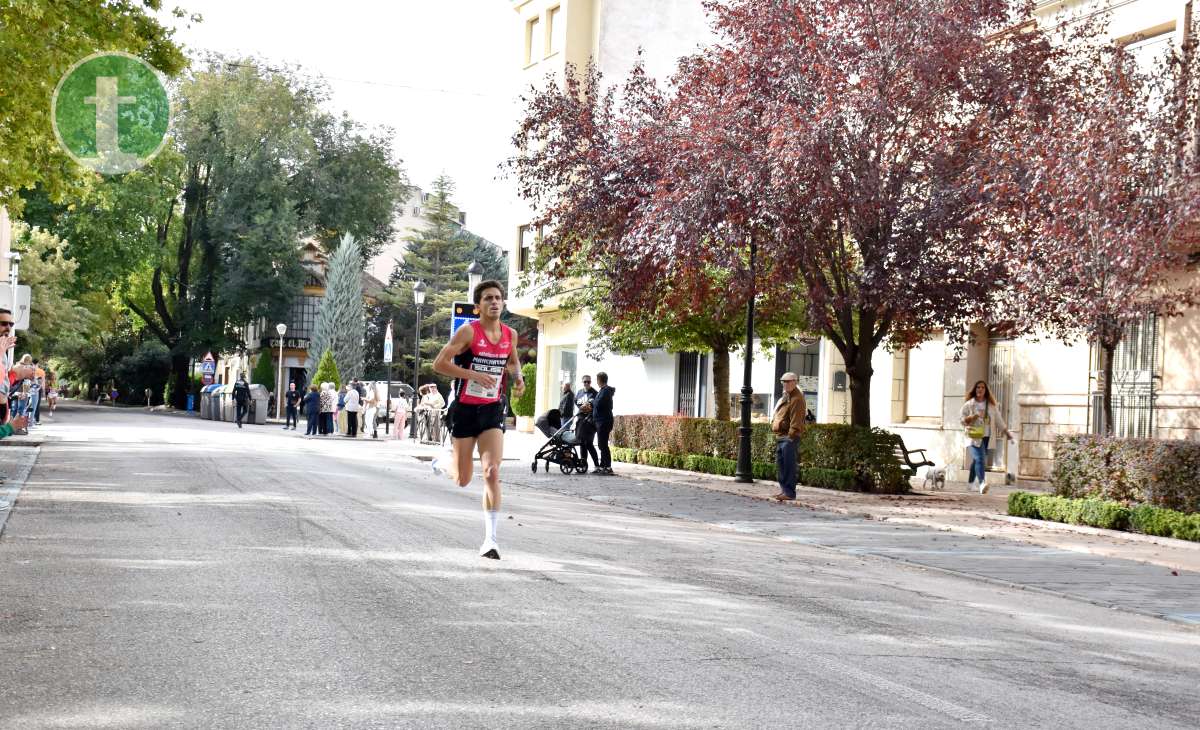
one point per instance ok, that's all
(353, 407)
(981, 419)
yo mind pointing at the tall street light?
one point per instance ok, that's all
(745, 471)
(281, 328)
(419, 300)
(474, 276)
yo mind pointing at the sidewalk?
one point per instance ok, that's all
(954, 509)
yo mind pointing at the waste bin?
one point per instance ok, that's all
(259, 397)
(208, 402)
(191, 402)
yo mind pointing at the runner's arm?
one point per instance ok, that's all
(443, 364)
(514, 371)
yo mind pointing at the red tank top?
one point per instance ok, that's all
(488, 357)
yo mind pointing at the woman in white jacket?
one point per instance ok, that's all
(981, 420)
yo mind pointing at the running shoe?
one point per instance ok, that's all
(437, 467)
(983, 487)
(489, 549)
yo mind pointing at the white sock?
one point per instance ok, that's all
(489, 522)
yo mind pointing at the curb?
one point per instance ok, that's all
(13, 483)
(1098, 531)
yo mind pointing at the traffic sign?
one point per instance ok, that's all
(461, 313)
(387, 344)
(208, 369)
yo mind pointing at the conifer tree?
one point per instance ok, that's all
(327, 371)
(340, 324)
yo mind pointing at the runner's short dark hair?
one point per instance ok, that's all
(482, 286)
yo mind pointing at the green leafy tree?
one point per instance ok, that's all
(39, 41)
(264, 372)
(327, 371)
(340, 320)
(57, 321)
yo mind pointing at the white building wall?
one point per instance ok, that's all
(663, 30)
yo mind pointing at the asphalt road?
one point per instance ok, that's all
(159, 571)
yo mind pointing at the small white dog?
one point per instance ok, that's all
(935, 475)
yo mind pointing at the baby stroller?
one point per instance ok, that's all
(561, 448)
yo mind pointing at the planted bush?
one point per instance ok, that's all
(1109, 515)
(1159, 472)
(843, 480)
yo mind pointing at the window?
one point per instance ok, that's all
(533, 28)
(926, 365)
(303, 316)
(416, 212)
(462, 218)
(529, 237)
(554, 31)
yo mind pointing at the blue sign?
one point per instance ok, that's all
(461, 313)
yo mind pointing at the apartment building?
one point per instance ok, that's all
(1046, 388)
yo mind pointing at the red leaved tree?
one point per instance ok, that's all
(651, 207)
(886, 120)
(1102, 239)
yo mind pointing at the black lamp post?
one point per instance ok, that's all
(745, 470)
(419, 300)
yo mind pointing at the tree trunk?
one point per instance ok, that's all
(859, 371)
(1108, 378)
(721, 382)
(181, 382)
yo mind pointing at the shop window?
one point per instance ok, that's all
(923, 385)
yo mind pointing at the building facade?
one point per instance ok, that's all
(1045, 388)
(409, 218)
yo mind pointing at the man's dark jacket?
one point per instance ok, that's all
(602, 407)
(241, 392)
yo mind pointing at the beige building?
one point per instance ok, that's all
(1045, 388)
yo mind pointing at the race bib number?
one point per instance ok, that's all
(477, 390)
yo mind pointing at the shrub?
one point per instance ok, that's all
(629, 456)
(710, 464)
(1165, 522)
(1108, 515)
(660, 459)
(1023, 504)
(525, 405)
(264, 372)
(327, 371)
(765, 470)
(844, 480)
(868, 452)
(1159, 472)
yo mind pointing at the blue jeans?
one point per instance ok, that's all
(979, 460)
(785, 464)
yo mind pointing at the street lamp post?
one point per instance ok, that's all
(745, 470)
(474, 276)
(281, 328)
(419, 300)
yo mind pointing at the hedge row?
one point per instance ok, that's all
(689, 462)
(841, 479)
(1159, 472)
(866, 453)
(1109, 515)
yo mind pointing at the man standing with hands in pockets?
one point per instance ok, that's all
(787, 424)
(480, 356)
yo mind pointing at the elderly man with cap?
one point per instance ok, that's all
(787, 424)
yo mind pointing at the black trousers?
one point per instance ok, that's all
(586, 432)
(352, 423)
(242, 408)
(602, 431)
(293, 418)
(313, 417)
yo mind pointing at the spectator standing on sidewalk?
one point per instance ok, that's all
(566, 404)
(399, 417)
(328, 402)
(788, 424)
(312, 408)
(585, 427)
(602, 416)
(292, 404)
(981, 419)
(241, 398)
(39, 392)
(353, 406)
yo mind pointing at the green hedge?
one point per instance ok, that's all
(1159, 472)
(688, 462)
(1107, 514)
(865, 452)
(843, 480)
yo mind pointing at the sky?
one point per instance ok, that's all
(443, 74)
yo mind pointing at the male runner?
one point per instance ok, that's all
(478, 357)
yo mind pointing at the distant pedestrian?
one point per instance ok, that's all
(241, 398)
(339, 415)
(566, 403)
(981, 419)
(51, 392)
(585, 427)
(371, 411)
(39, 382)
(788, 424)
(292, 404)
(399, 417)
(327, 403)
(312, 408)
(353, 406)
(602, 417)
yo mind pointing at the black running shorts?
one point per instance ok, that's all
(472, 420)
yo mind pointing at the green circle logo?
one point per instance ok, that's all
(110, 112)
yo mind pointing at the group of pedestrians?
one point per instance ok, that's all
(593, 412)
(25, 387)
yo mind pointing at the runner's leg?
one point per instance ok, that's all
(491, 451)
(464, 456)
